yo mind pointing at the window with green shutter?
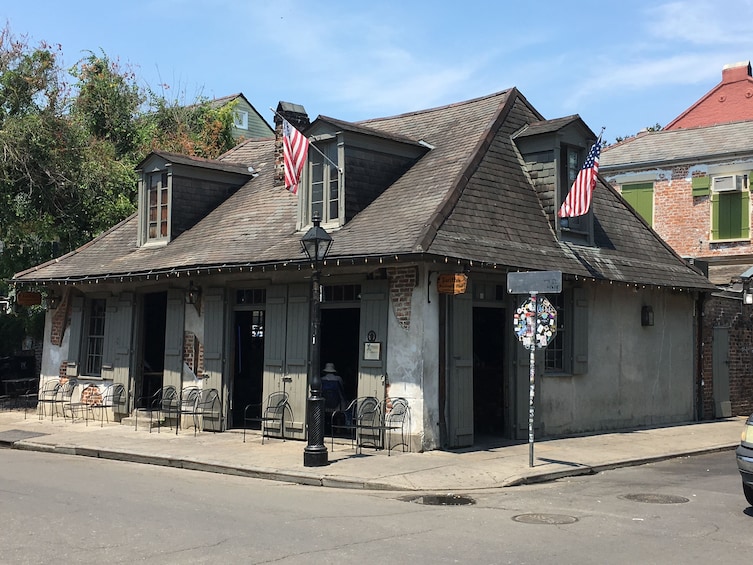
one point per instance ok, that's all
(701, 185)
(730, 215)
(640, 196)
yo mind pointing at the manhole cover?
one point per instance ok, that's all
(551, 519)
(441, 499)
(656, 498)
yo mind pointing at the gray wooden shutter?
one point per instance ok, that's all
(580, 331)
(296, 360)
(76, 327)
(213, 311)
(116, 359)
(375, 309)
(275, 332)
(174, 327)
(460, 371)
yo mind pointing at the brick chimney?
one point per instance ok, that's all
(736, 72)
(296, 115)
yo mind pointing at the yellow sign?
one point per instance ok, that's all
(452, 283)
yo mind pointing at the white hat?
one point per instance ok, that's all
(330, 368)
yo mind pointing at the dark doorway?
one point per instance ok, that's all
(339, 345)
(153, 346)
(488, 372)
(249, 362)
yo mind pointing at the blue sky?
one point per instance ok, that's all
(621, 65)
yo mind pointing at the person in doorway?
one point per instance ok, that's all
(333, 389)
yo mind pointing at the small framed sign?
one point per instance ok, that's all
(372, 351)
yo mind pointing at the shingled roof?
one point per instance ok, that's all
(468, 198)
(680, 146)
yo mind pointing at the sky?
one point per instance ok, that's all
(620, 65)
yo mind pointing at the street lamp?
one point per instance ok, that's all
(315, 244)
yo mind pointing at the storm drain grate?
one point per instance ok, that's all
(651, 498)
(550, 519)
(440, 499)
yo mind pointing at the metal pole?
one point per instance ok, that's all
(532, 372)
(315, 453)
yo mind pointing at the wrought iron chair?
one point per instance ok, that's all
(397, 416)
(89, 395)
(163, 404)
(47, 396)
(369, 424)
(114, 399)
(269, 415)
(189, 396)
(207, 406)
(63, 397)
(346, 421)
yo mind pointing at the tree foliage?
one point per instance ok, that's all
(70, 141)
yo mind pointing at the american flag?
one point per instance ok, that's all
(578, 200)
(295, 147)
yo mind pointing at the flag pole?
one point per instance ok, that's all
(331, 162)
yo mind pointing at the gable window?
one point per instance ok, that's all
(640, 195)
(240, 119)
(159, 201)
(95, 337)
(730, 207)
(324, 194)
(571, 159)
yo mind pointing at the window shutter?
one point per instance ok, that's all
(745, 214)
(76, 327)
(714, 216)
(701, 185)
(580, 331)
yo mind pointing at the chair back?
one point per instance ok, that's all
(276, 403)
(114, 396)
(368, 412)
(49, 389)
(166, 398)
(66, 390)
(398, 412)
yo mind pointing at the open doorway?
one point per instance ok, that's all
(154, 316)
(248, 363)
(339, 345)
(488, 372)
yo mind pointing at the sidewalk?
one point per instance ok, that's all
(433, 471)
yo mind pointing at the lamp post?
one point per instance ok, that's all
(315, 244)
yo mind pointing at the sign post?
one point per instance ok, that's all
(535, 323)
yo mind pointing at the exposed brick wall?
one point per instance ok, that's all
(60, 319)
(684, 220)
(402, 282)
(193, 353)
(91, 395)
(724, 312)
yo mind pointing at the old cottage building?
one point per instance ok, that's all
(207, 283)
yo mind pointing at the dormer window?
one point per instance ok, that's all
(158, 197)
(324, 185)
(240, 119)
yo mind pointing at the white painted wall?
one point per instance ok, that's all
(637, 376)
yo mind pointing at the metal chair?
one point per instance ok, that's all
(346, 421)
(207, 406)
(89, 395)
(369, 424)
(189, 396)
(163, 403)
(270, 415)
(114, 399)
(47, 396)
(397, 415)
(63, 397)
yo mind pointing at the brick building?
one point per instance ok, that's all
(691, 182)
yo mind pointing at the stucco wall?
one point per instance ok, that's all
(637, 376)
(412, 364)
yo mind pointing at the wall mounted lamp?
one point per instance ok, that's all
(647, 316)
(193, 295)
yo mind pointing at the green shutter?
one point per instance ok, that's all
(745, 215)
(75, 329)
(641, 197)
(701, 185)
(715, 220)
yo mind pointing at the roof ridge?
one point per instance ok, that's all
(448, 203)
